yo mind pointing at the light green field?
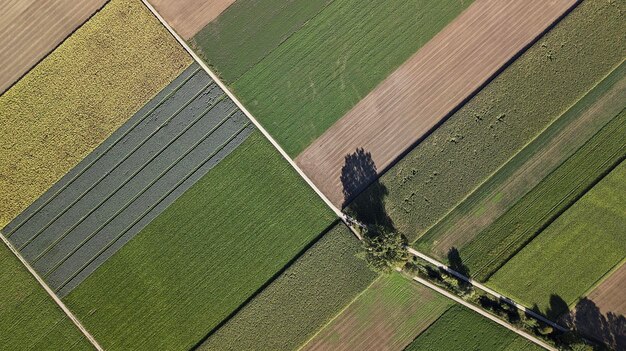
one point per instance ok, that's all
(29, 318)
(387, 316)
(462, 329)
(249, 30)
(302, 300)
(504, 116)
(573, 253)
(205, 255)
(78, 95)
(525, 171)
(321, 71)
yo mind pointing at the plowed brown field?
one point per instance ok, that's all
(187, 17)
(609, 295)
(30, 29)
(428, 87)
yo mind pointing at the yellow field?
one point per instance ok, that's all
(76, 97)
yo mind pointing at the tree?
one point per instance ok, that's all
(385, 249)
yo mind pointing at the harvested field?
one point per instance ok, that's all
(320, 72)
(426, 89)
(529, 167)
(30, 29)
(128, 180)
(204, 256)
(582, 245)
(387, 316)
(462, 329)
(78, 95)
(313, 290)
(232, 48)
(504, 117)
(187, 17)
(555, 194)
(29, 318)
(609, 295)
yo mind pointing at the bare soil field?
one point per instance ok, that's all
(187, 17)
(387, 316)
(30, 29)
(529, 167)
(609, 295)
(427, 88)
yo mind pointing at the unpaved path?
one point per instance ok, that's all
(420, 94)
(30, 29)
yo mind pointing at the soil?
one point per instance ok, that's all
(187, 17)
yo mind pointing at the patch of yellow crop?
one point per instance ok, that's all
(78, 95)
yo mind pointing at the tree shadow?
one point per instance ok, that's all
(455, 262)
(588, 320)
(359, 171)
(557, 308)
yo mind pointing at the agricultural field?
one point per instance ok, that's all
(187, 17)
(583, 244)
(232, 49)
(320, 72)
(29, 318)
(424, 90)
(78, 95)
(128, 180)
(210, 251)
(503, 117)
(608, 295)
(554, 146)
(387, 316)
(461, 329)
(30, 29)
(539, 208)
(315, 288)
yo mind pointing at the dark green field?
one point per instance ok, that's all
(503, 117)
(313, 78)
(304, 298)
(29, 318)
(537, 209)
(204, 255)
(461, 329)
(249, 30)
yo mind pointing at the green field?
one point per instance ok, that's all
(78, 95)
(204, 255)
(503, 117)
(302, 300)
(462, 329)
(537, 209)
(387, 316)
(29, 318)
(312, 79)
(232, 48)
(573, 253)
(527, 169)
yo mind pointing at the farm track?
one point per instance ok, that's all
(188, 17)
(427, 88)
(30, 29)
(127, 181)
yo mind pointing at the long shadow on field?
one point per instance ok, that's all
(609, 329)
(368, 207)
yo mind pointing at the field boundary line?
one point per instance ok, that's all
(483, 313)
(238, 103)
(54, 297)
(601, 280)
(486, 289)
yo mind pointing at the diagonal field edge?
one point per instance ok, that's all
(223, 86)
(54, 297)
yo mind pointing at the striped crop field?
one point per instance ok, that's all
(128, 180)
(78, 95)
(203, 256)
